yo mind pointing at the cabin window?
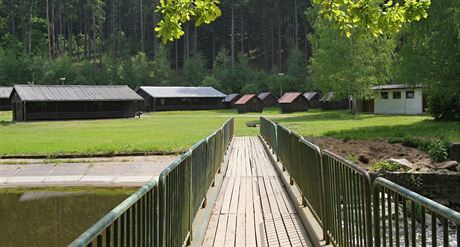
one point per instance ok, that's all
(162, 101)
(410, 94)
(396, 95)
(384, 95)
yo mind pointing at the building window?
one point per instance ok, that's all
(162, 101)
(410, 94)
(384, 95)
(396, 95)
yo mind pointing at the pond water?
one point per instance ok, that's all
(52, 217)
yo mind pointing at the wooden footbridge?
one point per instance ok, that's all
(277, 189)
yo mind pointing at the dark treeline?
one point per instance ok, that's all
(113, 42)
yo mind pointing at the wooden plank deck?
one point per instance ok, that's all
(253, 208)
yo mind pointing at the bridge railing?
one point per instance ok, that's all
(405, 218)
(353, 210)
(347, 193)
(162, 213)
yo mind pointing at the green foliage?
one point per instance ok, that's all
(162, 67)
(296, 66)
(352, 158)
(386, 166)
(430, 55)
(194, 70)
(176, 13)
(349, 66)
(136, 71)
(438, 150)
(251, 88)
(376, 17)
(416, 181)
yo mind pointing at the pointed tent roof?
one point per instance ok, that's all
(245, 99)
(231, 97)
(289, 97)
(310, 95)
(5, 92)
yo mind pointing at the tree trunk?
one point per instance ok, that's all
(242, 32)
(48, 22)
(279, 48)
(232, 45)
(177, 55)
(112, 19)
(13, 26)
(195, 40)
(141, 6)
(296, 24)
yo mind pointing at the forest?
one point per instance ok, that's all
(252, 46)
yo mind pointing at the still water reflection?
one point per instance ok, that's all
(52, 217)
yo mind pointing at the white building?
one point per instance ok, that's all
(398, 99)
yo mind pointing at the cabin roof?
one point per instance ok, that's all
(182, 92)
(5, 92)
(76, 93)
(231, 97)
(289, 97)
(310, 95)
(245, 99)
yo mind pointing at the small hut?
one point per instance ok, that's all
(180, 98)
(268, 98)
(313, 99)
(59, 102)
(330, 102)
(5, 103)
(293, 102)
(230, 100)
(249, 103)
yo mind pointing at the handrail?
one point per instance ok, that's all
(428, 203)
(95, 230)
(161, 212)
(344, 197)
(388, 198)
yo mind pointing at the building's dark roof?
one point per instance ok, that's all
(183, 92)
(395, 86)
(76, 93)
(231, 97)
(264, 95)
(289, 97)
(245, 99)
(5, 92)
(310, 95)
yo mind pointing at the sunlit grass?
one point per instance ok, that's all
(176, 131)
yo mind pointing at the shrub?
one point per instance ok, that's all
(352, 158)
(438, 150)
(386, 165)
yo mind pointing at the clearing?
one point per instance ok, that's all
(177, 131)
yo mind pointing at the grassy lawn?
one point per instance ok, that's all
(340, 124)
(162, 131)
(177, 131)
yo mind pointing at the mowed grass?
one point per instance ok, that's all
(341, 124)
(177, 131)
(162, 132)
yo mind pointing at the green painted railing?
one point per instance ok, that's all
(402, 218)
(347, 190)
(162, 214)
(353, 210)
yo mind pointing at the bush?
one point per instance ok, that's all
(386, 165)
(438, 150)
(444, 105)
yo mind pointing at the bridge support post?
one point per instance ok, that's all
(304, 202)
(291, 181)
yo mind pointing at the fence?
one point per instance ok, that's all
(351, 209)
(161, 213)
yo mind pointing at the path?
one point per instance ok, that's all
(105, 172)
(253, 208)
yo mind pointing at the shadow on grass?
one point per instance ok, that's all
(327, 116)
(423, 129)
(6, 123)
